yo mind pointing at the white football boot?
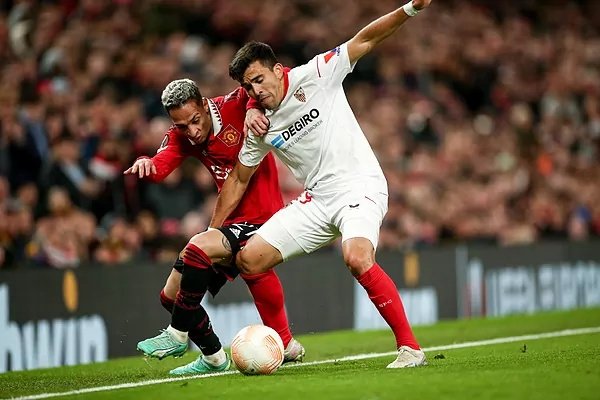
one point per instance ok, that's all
(408, 358)
(294, 352)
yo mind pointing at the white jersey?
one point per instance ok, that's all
(314, 131)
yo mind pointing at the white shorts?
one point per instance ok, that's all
(314, 220)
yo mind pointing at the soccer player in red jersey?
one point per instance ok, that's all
(211, 130)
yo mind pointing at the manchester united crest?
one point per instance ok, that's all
(229, 136)
(300, 95)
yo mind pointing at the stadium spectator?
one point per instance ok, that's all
(63, 238)
(522, 73)
(121, 243)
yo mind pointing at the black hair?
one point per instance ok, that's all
(249, 53)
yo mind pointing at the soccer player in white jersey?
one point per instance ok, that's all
(313, 131)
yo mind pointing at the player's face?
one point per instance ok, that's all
(193, 119)
(264, 84)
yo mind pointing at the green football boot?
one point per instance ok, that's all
(199, 366)
(163, 345)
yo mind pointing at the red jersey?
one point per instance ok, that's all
(219, 153)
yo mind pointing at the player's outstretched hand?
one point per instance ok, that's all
(420, 4)
(256, 123)
(142, 167)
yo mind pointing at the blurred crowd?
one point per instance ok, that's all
(484, 114)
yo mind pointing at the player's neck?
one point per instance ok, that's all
(286, 86)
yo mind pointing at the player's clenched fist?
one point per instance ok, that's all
(142, 167)
(255, 123)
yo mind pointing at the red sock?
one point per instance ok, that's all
(196, 257)
(166, 302)
(384, 294)
(268, 296)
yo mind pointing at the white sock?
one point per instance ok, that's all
(178, 335)
(216, 359)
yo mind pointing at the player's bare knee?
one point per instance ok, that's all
(249, 264)
(170, 291)
(197, 239)
(172, 284)
(358, 262)
(359, 255)
(244, 263)
(211, 244)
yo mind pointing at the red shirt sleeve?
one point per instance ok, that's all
(169, 155)
(251, 104)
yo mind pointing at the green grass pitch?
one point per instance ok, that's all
(561, 367)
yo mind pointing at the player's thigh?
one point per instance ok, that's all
(172, 284)
(258, 256)
(214, 244)
(301, 227)
(360, 216)
(237, 235)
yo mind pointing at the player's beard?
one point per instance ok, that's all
(267, 102)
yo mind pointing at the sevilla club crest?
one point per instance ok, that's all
(229, 136)
(300, 95)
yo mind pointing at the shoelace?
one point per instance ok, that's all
(199, 363)
(164, 339)
(196, 363)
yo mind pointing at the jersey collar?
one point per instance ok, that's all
(286, 86)
(215, 116)
(286, 83)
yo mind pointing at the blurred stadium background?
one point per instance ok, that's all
(484, 114)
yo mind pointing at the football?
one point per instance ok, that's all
(257, 350)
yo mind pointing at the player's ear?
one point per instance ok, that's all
(205, 104)
(278, 70)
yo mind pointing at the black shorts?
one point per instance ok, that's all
(237, 235)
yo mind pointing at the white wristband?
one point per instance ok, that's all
(409, 9)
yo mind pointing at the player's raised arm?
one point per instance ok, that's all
(231, 193)
(168, 157)
(368, 37)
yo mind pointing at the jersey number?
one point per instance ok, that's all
(305, 197)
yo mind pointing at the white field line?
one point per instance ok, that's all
(488, 342)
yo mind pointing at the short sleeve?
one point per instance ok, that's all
(253, 150)
(334, 64)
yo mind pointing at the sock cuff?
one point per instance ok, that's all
(196, 257)
(372, 275)
(180, 336)
(165, 299)
(255, 277)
